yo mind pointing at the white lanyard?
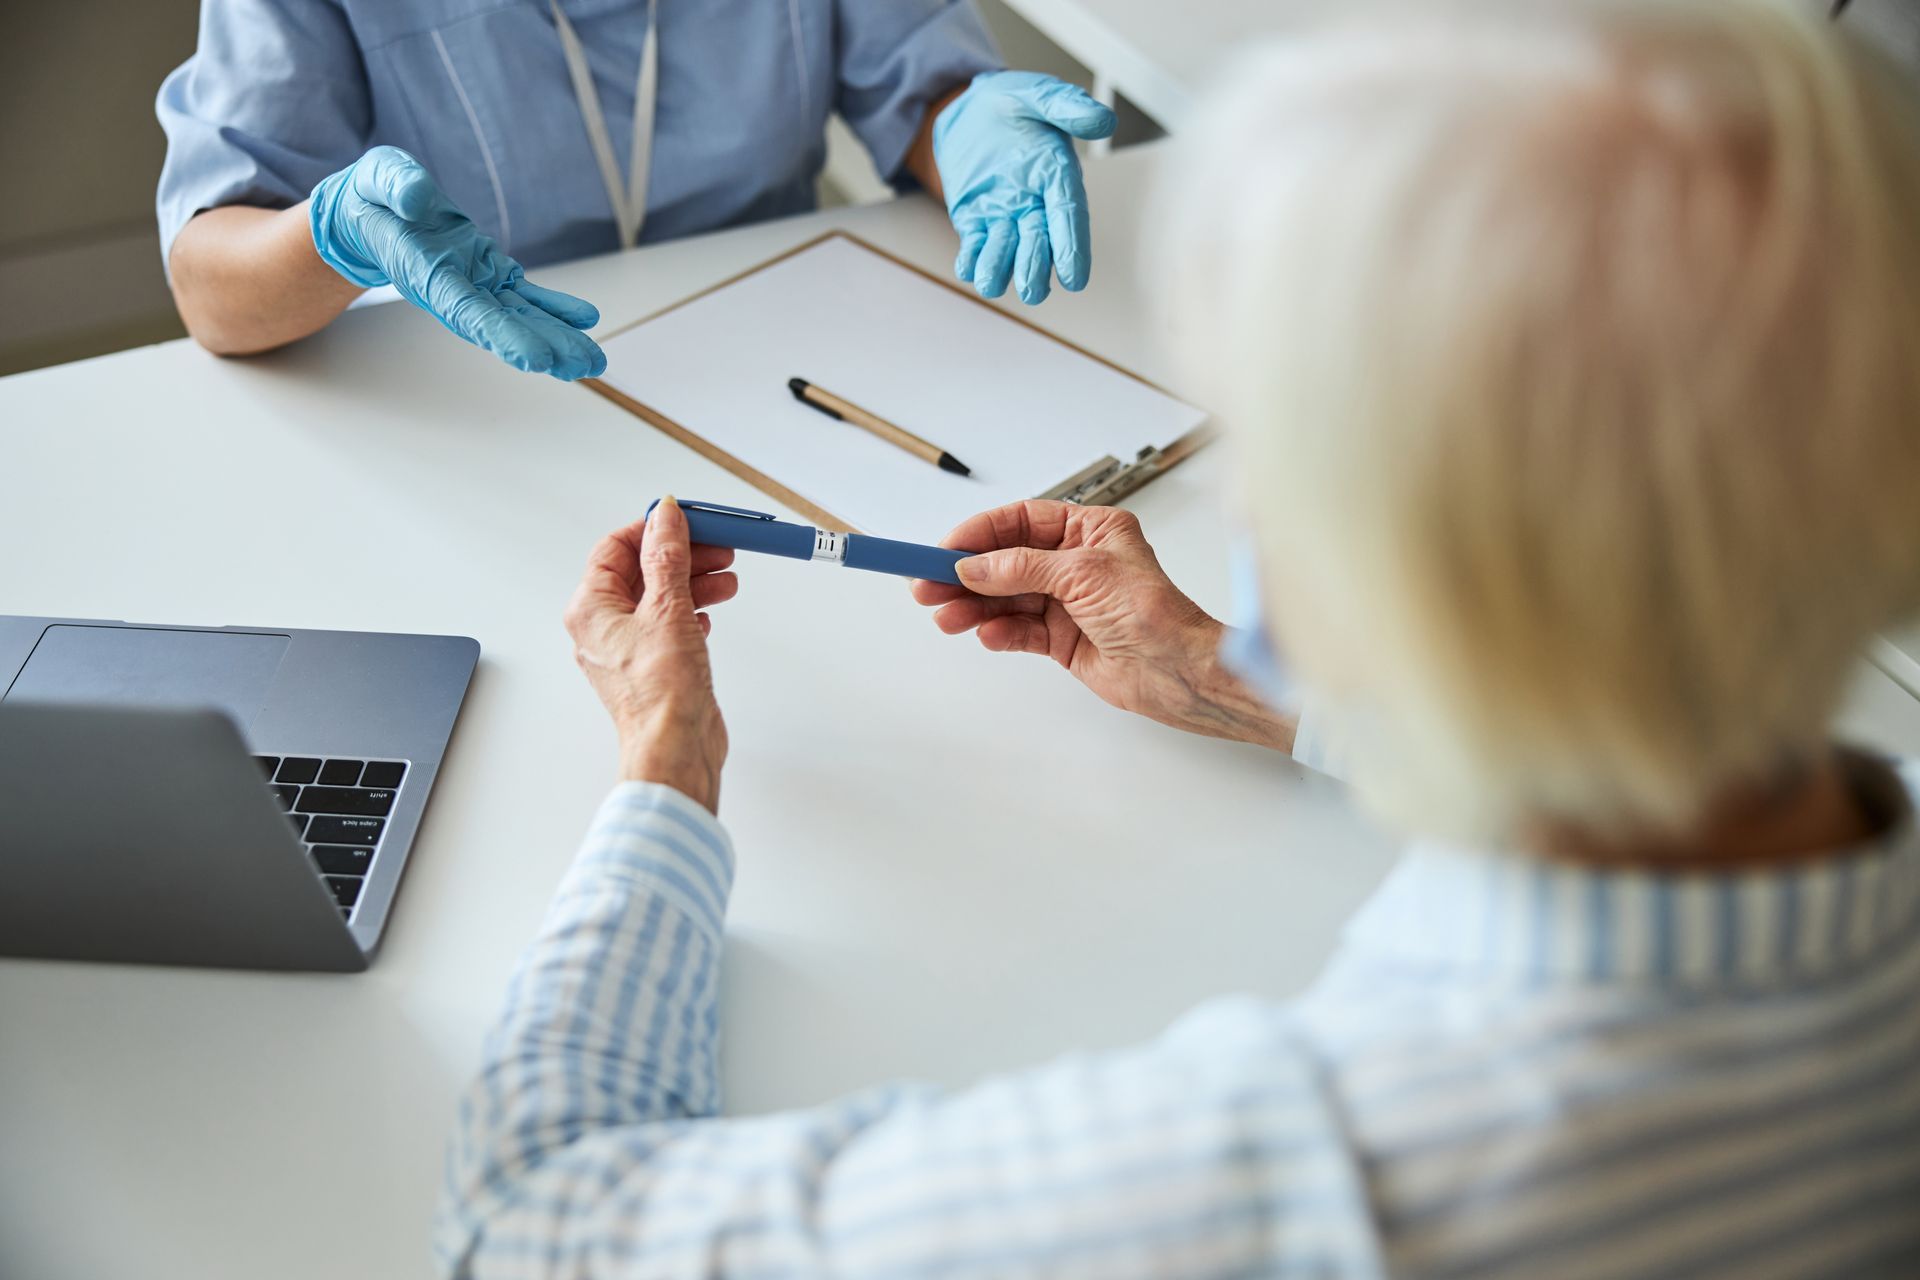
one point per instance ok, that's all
(629, 203)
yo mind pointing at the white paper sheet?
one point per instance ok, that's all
(1023, 411)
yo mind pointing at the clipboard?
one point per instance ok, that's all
(1107, 477)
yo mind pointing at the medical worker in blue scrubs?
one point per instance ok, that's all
(318, 148)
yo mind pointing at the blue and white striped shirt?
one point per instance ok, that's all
(1510, 1068)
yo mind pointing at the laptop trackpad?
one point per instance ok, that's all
(135, 667)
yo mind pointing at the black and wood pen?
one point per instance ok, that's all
(834, 407)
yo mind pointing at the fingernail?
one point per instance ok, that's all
(972, 569)
(670, 501)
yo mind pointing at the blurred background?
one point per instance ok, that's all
(81, 152)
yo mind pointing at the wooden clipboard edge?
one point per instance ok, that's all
(1173, 455)
(1187, 445)
(720, 457)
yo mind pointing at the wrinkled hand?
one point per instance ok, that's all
(383, 220)
(642, 642)
(1082, 586)
(1013, 183)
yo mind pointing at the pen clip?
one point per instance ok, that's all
(690, 505)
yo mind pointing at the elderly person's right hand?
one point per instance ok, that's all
(639, 636)
(1082, 586)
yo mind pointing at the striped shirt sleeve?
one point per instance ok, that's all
(591, 1144)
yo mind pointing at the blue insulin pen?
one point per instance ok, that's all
(713, 525)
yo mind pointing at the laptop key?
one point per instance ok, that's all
(268, 764)
(383, 773)
(341, 773)
(332, 830)
(300, 821)
(286, 793)
(351, 800)
(301, 769)
(346, 889)
(343, 859)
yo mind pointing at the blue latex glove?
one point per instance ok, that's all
(384, 220)
(1013, 182)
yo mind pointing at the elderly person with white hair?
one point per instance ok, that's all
(1571, 358)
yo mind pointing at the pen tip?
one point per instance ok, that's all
(798, 386)
(950, 463)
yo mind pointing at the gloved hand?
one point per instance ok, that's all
(1013, 182)
(383, 220)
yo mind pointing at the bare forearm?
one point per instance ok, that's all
(248, 280)
(671, 760)
(919, 160)
(1201, 696)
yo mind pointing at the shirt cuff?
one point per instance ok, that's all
(1313, 745)
(649, 836)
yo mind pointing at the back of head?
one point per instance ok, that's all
(1572, 357)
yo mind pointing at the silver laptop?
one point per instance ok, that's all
(244, 797)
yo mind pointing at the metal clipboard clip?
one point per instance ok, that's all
(1109, 480)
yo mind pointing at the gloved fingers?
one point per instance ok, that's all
(481, 319)
(971, 241)
(496, 331)
(564, 307)
(1033, 260)
(995, 265)
(1067, 228)
(575, 355)
(1068, 107)
(389, 177)
(521, 334)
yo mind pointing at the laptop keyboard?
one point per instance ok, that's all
(339, 808)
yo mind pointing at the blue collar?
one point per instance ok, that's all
(1526, 920)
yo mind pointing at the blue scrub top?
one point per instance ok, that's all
(281, 93)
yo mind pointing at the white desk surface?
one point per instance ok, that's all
(951, 862)
(1158, 55)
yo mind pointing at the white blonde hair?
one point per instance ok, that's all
(1571, 353)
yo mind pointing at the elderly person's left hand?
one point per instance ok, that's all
(1082, 585)
(639, 635)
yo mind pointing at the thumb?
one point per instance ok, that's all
(1070, 108)
(389, 176)
(1015, 571)
(666, 561)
